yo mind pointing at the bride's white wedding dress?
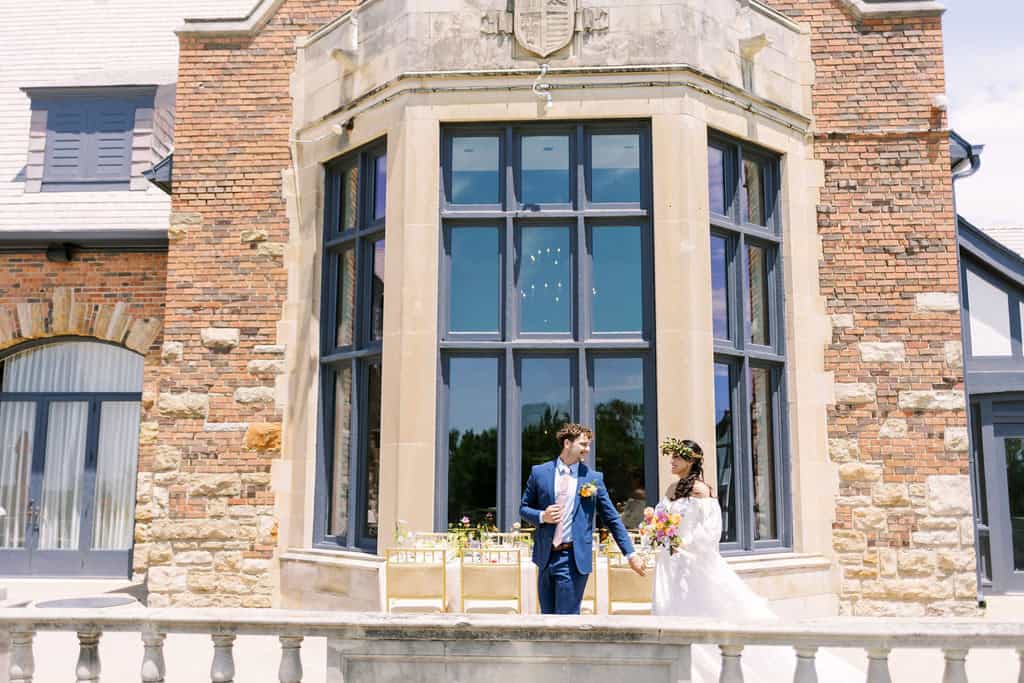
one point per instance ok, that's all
(697, 582)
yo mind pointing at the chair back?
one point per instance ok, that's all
(627, 587)
(429, 539)
(589, 604)
(415, 573)
(492, 574)
(500, 539)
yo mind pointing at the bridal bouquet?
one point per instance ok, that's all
(660, 530)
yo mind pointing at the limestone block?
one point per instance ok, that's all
(844, 541)
(966, 585)
(932, 523)
(954, 353)
(885, 608)
(266, 367)
(181, 222)
(160, 553)
(252, 566)
(142, 334)
(954, 608)
(172, 351)
(147, 433)
(856, 471)
(256, 601)
(220, 339)
(869, 519)
(916, 562)
(158, 600)
(253, 235)
(853, 501)
(202, 582)
(883, 352)
(166, 458)
(7, 326)
(934, 538)
(893, 428)
(270, 250)
(263, 436)
(143, 533)
(888, 562)
(217, 507)
(256, 478)
(267, 530)
(967, 531)
(841, 321)
(60, 316)
(937, 301)
(949, 494)
(890, 495)
(184, 405)
(254, 395)
(213, 530)
(843, 450)
(858, 573)
(242, 511)
(854, 393)
(950, 561)
(197, 557)
(233, 584)
(166, 579)
(956, 439)
(273, 349)
(225, 426)
(210, 485)
(931, 400)
(229, 561)
(908, 589)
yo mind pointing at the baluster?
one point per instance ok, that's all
(878, 665)
(88, 667)
(291, 663)
(956, 667)
(223, 668)
(23, 665)
(153, 668)
(732, 671)
(806, 671)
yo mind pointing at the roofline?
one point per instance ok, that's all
(991, 252)
(874, 9)
(86, 240)
(249, 25)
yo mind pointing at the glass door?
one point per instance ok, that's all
(1002, 429)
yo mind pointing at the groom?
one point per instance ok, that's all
(560, 500)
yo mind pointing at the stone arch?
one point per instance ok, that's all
(62, 316)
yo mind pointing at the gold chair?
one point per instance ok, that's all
(628, 593)
(589, 604)
(430, 539)
(491, 581)
(499, 539)
(415, 580)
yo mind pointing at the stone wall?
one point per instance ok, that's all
(903, 533)
(213, 532)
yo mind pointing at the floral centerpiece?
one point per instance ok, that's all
(660, 530)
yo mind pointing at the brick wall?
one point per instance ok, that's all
(219, 426)
(902, 533)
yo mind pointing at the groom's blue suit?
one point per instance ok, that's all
(562, 575)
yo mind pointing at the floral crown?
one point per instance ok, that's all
(674, 446)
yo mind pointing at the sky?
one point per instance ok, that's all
(985, 86)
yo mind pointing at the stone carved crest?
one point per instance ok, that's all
(545, 26)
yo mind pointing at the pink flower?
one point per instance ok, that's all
(671, 531)
(648, 513)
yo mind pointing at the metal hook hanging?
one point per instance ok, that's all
(541, 89)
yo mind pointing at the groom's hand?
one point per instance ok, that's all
(636, 563)
(552, 514)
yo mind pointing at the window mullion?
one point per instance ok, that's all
(748, 520)
(510, 456)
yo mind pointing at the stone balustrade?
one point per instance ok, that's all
(390, 640)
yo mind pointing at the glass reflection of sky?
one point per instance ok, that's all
(616, 292)
(545, 169)
(618, 379)
(545, 280)
(723, 398)
(473, 394)
(475, 172)
(380, 186)
(719, 287)
(544, 382)
(716, 180)
(615, 168)
(475, 279)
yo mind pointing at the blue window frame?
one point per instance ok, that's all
(546, 310)
(750, 359)
(352, 315)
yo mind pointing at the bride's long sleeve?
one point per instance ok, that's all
(702, 534)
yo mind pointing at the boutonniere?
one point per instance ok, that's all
(587, 490)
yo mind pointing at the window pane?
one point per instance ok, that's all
(725, 443)
(545, 171)
(759, 306)
(763, 453)
(341, 451)
(716, 179)
(476, 175)
(380, 186)
(346, 296)
(377, 293)
(545, 280)
(17, 433)
(753, 177)
(990, 317)
(615, 168)
(472, 438)
(545, 403)
(475, 288)
(371, 476)
(60, 513)
(616, 295)
(75, 366)
(1015, 484)
(349, 197)
(720, 286)
(114, 521)
(619, 431)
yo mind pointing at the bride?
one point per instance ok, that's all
(696, 581)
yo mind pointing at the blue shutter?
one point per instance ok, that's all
(88, 141)
(111, 124)
(65, 142)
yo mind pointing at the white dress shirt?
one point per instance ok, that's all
(571, 471)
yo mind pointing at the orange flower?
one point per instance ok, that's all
(587, 490)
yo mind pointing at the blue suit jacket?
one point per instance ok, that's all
(540, 493)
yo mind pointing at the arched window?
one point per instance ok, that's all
(69, 436)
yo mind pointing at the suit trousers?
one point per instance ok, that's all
(560, 585)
